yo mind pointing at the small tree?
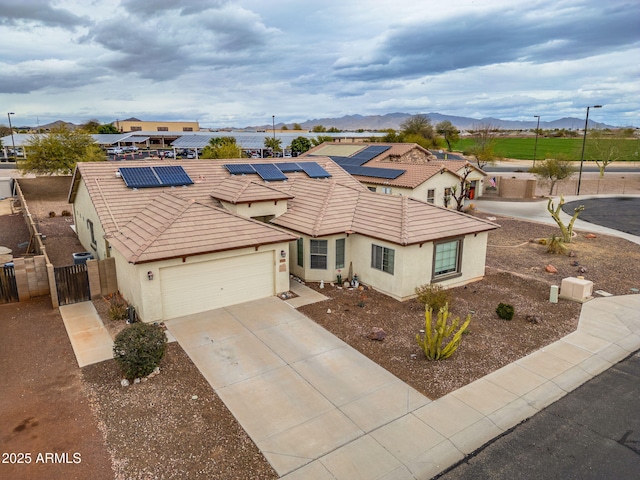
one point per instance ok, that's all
(108, 128)
(605, 149)
(138, 349)
(484, 142)
(459, 193)
(321, 139)
(450, 133)
(433, 341)
(59, 151)
(221, 147)
(296, 126)
(274, 144)
(300, 145)
(566, 230)
(552, 171)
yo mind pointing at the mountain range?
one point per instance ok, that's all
(393, 120)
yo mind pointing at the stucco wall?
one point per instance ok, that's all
(257, 209)
(438, 182)
(83, 210)
(313, 274)
(145, 294)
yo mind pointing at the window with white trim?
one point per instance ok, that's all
(446, 258)
(94, 245)
(382, 258)
(431, 195)
(319, 254)
(386, 190)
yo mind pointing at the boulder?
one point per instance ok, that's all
(590, 235)
(550, 269)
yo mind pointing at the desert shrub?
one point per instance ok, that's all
(52, 214)
(66, 213)
(433, 296)
(117, 308)
(556, 246)
(505, 311)
(439, 340)
(138, 349)
(470, 209)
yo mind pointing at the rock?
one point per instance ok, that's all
(124, 382)
(194, 397)
(582, 270)
(346, 284)
(535, 319)
(328, 310)
(377, 334)
(573, 254)
(137, 380)
(590, 235)
(575, 263)
(156, 370)
(550, 269)
(321, 284)
(361, 287)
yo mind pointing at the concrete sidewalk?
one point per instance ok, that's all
(317, 408)
(89, 338)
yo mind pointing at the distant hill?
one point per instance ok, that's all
(393, 120)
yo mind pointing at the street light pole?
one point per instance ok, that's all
(535, 146)
(13, 143)
(584, 141)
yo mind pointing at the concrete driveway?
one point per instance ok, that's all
(298, 391)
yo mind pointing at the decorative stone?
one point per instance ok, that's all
(377, 334)
(346, 284)
(550, 269)
(156, 370)
(328, 310)
(321, 284)
(137, 380)
(590, 235)
(573, 254)
(124, 382)
(575, 263)
(535, 319)
(582, 270)
(194, 397)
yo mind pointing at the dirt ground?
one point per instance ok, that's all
(44, 404)
(157, 429)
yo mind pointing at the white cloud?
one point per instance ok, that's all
(239, 62)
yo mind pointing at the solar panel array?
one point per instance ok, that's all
(375, 172)
(270, 172)
(149, 177)
(371, 152)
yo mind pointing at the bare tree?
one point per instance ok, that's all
(484, 142)
(605, 149)
(461, 191)
(552, 171)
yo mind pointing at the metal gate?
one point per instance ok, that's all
(72, 284)
(8, 286)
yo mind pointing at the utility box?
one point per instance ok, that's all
(80, 258)
(576, 289)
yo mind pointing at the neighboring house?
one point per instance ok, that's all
(193, 236)
(403, 169)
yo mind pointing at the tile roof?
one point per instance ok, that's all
(149, 223)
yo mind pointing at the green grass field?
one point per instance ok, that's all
(522, 148)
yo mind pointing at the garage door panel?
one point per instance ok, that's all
(197, 287)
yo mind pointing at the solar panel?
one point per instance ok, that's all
(240, 168)
(139, 177)
(172, 176)
(371, 152)
(314, 170)
(349, 161)
(269, 172)
(289, 167)
(388, 173)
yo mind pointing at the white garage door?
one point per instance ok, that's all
(197, 287)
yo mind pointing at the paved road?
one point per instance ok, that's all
(619, 213)
(592, 433)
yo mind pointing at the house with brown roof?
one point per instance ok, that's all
(196, 235)
(404, 169)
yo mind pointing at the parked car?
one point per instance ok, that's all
(168, 154)
(130, 148)
(115, 151)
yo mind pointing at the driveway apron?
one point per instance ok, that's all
(299, 391)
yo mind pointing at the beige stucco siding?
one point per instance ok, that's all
(146, 294)
(84, 210)
(315, 274)
(437, 182)
(257, 209)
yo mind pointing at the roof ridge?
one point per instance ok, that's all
(404, 236)
(323, 210)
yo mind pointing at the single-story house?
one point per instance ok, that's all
(196, 235)
(404, 169)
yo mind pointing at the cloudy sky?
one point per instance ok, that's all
(237, 63)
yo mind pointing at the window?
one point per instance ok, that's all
(386, 190)
(447, 196)
(340, 253)
(446, 259)
(300, 244)
(382, 258)
(319, 254)
(93, 237)
(136, 129)
(431, 195)
(187, 129)
(163, 129)
(373, 189)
